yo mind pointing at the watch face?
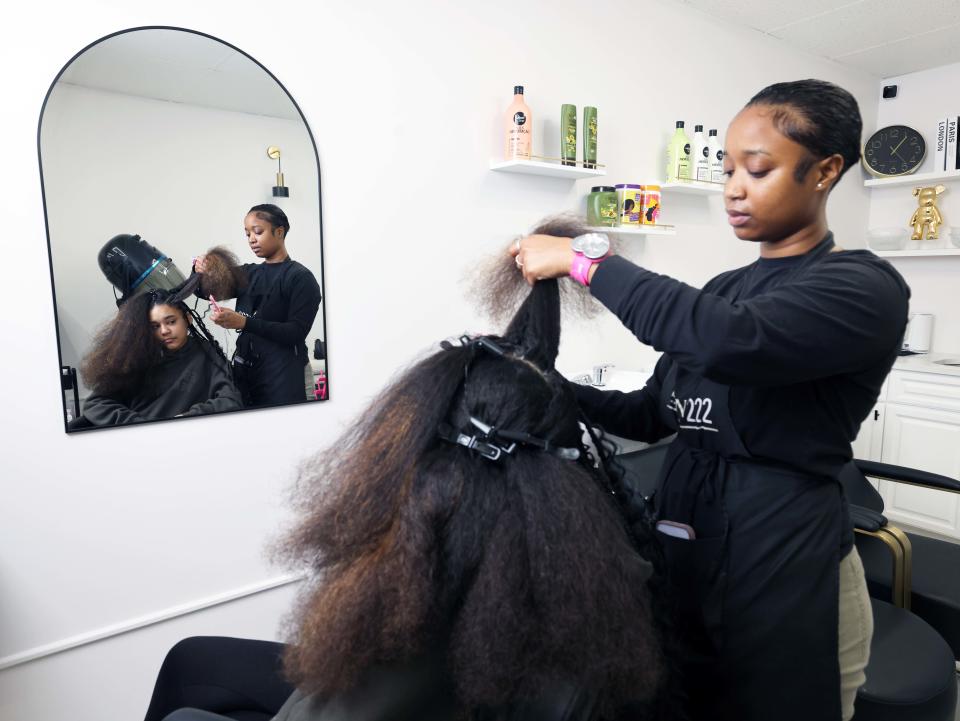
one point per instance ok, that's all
(894, 150)
(593, 245)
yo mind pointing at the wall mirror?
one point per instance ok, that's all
(154, 144)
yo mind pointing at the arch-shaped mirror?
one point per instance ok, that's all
(155, 144)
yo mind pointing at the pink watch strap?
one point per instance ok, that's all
(580, 268)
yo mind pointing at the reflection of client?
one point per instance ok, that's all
(149, 363)
(469, 558)
(274, 313)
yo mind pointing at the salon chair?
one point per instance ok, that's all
(912, 669)
(911, 675)
(193, 714)
(642, 467)
(935, 569)
(78, 423)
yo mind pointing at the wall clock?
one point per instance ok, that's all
(894, 150)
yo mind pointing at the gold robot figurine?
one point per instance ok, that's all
(927, 217)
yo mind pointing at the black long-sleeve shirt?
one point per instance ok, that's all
(804, 350)
(280, 302)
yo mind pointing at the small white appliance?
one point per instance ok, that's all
(916, 339)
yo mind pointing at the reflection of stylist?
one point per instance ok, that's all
(766, 375)
(274, 314)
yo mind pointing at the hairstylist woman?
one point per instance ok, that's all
(274, 313)
(766, 375)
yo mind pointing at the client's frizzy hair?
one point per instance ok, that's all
(222, 276)
(497, 288)
(519, 573)
(124, 350)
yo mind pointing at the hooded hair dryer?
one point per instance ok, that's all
(134, 266)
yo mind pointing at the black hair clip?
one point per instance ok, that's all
(484, 441)
(561, 452)
(479, 442)
(489, 345)
(480, 341)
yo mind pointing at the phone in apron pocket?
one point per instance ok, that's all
(675, 529)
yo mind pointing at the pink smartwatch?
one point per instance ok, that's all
(588, 250)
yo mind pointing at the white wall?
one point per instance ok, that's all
(180, 176)
(922, 99)
(102, 528)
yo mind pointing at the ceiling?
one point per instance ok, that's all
(180, 67)
(882, 37)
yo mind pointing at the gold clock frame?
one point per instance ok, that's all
(874, 173)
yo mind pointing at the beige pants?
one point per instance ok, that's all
(856, 630)
(308, 381)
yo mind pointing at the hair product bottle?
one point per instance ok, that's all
(678, 155)
(589, 136)
(701, 154)
(568, 134)
(715, 150)
(630, 202)
(519, 127)
(602, 206)
(651, 205)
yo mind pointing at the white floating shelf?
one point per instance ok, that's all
(914, 179)
(693, 187)
(916, 253)
(636, 230)
(539, 167)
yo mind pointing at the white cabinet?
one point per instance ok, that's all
(869, 443)
(928, 439)
(918, 427)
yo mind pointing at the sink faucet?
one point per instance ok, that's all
(600, 374)
(597, 377)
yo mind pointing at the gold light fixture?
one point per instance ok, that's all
(279, 190)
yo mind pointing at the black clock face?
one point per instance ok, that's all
(894, 150)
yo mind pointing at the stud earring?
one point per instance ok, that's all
(819, 185)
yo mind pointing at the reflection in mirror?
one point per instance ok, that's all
(182, 194)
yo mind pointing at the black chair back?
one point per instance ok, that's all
(642, 468)
(858, 490)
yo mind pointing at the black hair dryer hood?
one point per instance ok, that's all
(134, 266)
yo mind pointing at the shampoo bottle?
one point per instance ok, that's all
(590, 137)
(715, 150)
(519, 128)
(701, 155)
(678, 155)
(568, 134)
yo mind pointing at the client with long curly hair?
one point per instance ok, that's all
(155, 359)
(468, 559)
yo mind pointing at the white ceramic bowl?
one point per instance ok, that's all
(891, 238)
(955, 237)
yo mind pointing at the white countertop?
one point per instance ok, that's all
(927, 363)
(627, 380)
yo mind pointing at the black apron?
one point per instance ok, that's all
(266, 372)
(756, 591)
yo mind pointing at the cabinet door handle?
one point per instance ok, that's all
(876, 414)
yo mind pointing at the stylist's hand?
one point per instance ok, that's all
(200, 263)
(542, 256)
(230, 319)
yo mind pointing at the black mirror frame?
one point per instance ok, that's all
(46, 223)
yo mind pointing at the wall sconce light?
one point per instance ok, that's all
(279, 190)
